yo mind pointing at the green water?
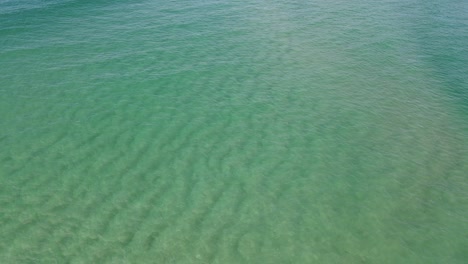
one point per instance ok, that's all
(233, 131)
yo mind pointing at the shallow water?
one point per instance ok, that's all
(233, 132)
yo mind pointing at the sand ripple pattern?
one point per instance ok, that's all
(221, 132)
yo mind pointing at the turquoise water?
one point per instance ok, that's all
(233, 131)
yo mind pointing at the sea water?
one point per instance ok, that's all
(226, 132)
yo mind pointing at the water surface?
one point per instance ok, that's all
(233, 132)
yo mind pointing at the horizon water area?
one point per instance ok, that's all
(215, 131)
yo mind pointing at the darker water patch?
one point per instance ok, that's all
(441, 30)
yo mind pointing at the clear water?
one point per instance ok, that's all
(233, 131)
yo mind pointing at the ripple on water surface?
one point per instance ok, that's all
(220, 132)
